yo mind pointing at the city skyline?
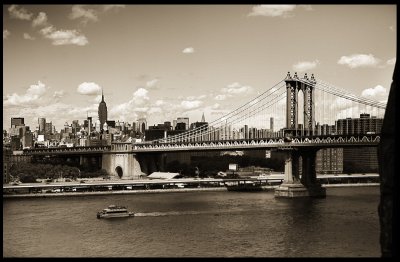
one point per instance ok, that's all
(163, 62)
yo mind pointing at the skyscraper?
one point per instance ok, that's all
(271, 124)
(102, 110)
(42, 125)
(17, 121)
(142, 125)
(184, 120)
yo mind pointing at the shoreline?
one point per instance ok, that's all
(156, 191)
(350, 185)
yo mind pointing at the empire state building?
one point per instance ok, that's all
(102, 111)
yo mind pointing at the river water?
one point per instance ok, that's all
(196, 224)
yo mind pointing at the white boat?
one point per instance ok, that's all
(114, 211)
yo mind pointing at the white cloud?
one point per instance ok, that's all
(64, 37)
(40, 20)
(272, 10)
(152, 83)
(141, 109)
(32, 95)
(78, 11)
(20, 13)
(89, 88)
(155, 110)
(112, 7)
(28, 36)
(189, 105)
(38, 89)
(47, 30)
(375, 91)
(137, 106)
(359, 60)
(391, 61)
(236, 88)
(339, 103)
(220, 97)
(216, 106)
(191, 98)
(188, 50)
(141, 93)
(159, 103)
(6, 33)
(305, 65)
(58, 94)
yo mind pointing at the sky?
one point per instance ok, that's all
(167, 61)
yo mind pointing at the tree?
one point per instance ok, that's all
(27, 178)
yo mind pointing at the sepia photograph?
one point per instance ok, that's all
(199, 131)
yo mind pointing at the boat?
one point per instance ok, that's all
(114, 211)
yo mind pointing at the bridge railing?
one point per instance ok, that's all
(325, 141)
(67, 149)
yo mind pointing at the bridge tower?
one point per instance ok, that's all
(306, 85)
(121, 162)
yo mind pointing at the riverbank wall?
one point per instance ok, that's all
(156, 191)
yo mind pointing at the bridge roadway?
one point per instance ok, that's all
(259, 144)
(262, 143)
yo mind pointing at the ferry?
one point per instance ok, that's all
(114, 211)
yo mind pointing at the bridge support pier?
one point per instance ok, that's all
(122, 165)
(309, 176)
(293, 186)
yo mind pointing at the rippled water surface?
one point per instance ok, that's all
(196, 224)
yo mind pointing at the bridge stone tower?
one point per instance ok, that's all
(293, 185)
(293, 85)
(121, 162)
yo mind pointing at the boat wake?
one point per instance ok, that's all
(178, 213)
(171, 213)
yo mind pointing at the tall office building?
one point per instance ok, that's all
(17, 121)
(87, 124)
(184, 120)
(174, 124)
(360, 160)
(362, 125)
(271, 124)
(329, 161)
(134, 126)
(102, 110)
(48, 128)
(142, 125)
(42, 125)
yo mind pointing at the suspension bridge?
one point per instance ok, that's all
(297, 115)
(303, 110)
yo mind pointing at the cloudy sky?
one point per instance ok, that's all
(167, 61)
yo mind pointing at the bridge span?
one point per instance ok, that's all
(323, 120)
